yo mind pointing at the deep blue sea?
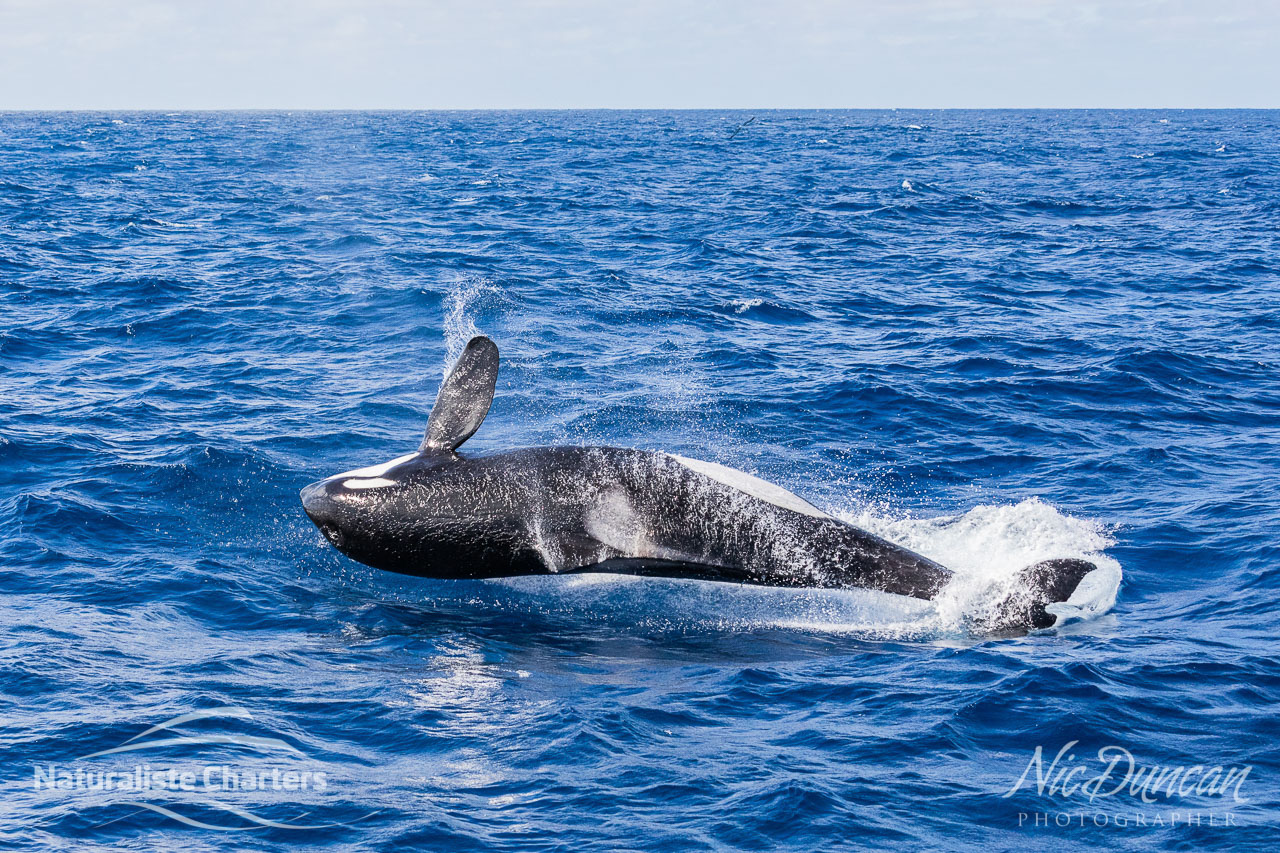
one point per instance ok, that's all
(991, 336)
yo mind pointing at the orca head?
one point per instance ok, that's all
(357, 510)
(352, 508)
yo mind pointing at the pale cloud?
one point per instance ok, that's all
(661, 53)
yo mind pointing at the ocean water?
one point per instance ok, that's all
(991, 336)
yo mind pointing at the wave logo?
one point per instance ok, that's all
(186, 790)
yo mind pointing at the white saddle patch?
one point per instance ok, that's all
(754, 486)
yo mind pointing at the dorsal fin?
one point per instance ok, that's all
(464, 398)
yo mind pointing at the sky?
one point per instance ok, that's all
(473, 54)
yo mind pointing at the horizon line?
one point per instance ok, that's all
(229, 109)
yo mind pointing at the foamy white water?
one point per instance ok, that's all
(985, 547)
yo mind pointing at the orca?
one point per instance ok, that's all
(562, 510)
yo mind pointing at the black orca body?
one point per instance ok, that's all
(555, 510)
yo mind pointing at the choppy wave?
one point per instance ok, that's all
(993, 337)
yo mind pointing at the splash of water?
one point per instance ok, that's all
(988, 545)
(985, 547)
(465, 299)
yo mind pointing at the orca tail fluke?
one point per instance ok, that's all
(1035, 587)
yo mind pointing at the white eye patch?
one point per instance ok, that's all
(375, 470)
(368, 483)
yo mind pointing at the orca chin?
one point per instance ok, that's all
(552, 510)
(318, 507)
